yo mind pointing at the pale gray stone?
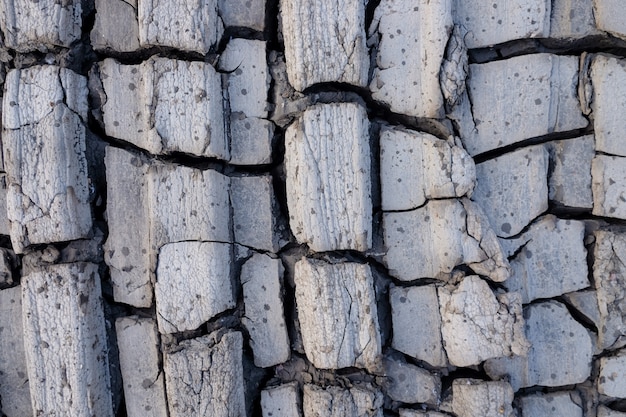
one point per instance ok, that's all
(116, 27)
(609, 275)
(442, 234)
(14, 387)
(609, 186)
(473, 397)
(478, 325)
(138, 345)
(608, 78)
(281, 401)
(560, 353)
(609, 15)
(204, 376)
(128, 251)
(338, 315)
(28, 25)
(586, 303)
(612, 376)
(188, 25)
(193, 284)
(512, 189)
(419, 338)
(263, 310)
(247, 82)
(188, 204)
(552, 260)
(165, 105)
(66, 342)
(412, 43)
(339, 402)
(411, 384)
(540, 98)
(569, 183)
(247, 78)
(491, 23)
(416, 166)
(552, 404)
(328, 156)
(572, 19)
(251, 140)
(243, 13)
(254, 213)
(324, 42)
(34, 133)
(607, 412)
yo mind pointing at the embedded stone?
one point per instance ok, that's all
(193, 284)
(551, 404)
(512, 189)
(65, 341)
(442, 234)
(128, 251)
(164, 106)
(419, 338)
(315, 54)
(14, 387)
(328, 156)
(608, 78)
(478, 325)
(609, 16)
(337, 313)
(586, 303)
(255, 213)
(138, 345)
(243, 13)
(540, 98)
(473, 397)
(609, 275)
(417, 166)
(560, 353)
(339, 402)
(412, 44)
(116, 27)
(34, 133)
(188, 204)
(281, 401)
(411, 384)
(263, 310)
(552, 260)
(204, 376)
(404, 412)
(190, 25)
(609, 186)
(612, 376)
(8, 261)
(36, 26)
(569, 183)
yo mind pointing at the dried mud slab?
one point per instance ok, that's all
(338, 315)
(324, 42)
(144, 389)
(339, 402)
(66, 342)
(204, 376)
(44, 141)
(327, 160)
(411, 45)
(609, 186)
(473, 397)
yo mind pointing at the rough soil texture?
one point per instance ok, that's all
(313, 208)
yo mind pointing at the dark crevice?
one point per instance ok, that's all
(494, 153)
